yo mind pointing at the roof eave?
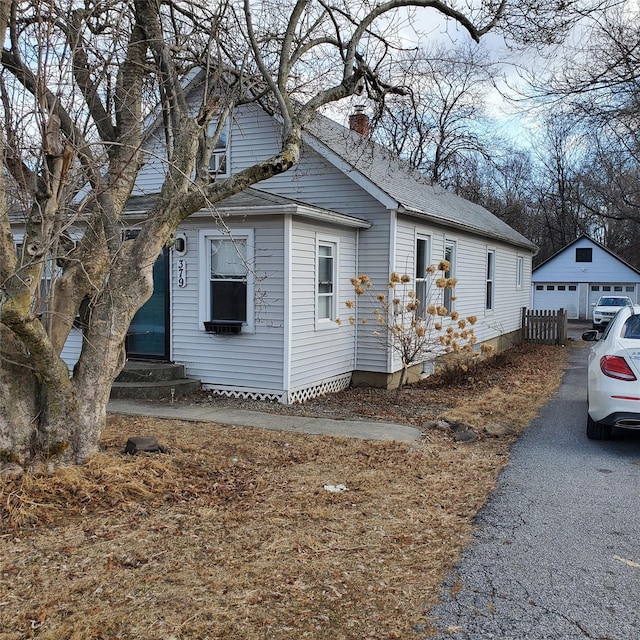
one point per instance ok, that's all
(445, 222)
(269, 210)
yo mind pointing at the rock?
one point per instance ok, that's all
(41, 468)
(441, 425)
(11, 471)
(498, 430)
(465, 435)
(143, 444)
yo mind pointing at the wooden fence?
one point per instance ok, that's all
(544, 327)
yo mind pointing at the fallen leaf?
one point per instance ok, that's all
(630, 563)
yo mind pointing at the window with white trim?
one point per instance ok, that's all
(219, 164)
(422, 258)
(326, 278)
(519, 272)
(227, 285)
(450, 257)
(491, 282)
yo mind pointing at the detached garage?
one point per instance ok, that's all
(576, 276)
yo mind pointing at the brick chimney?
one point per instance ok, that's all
(359, 121)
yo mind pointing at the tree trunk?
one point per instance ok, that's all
(401, 383)
(60, 419)
(18, 406)
(64, 428)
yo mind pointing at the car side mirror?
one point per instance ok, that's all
(590, 336)
(593, 304)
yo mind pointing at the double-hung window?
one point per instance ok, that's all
(450, 257)
(491, 282)
(422, 262)
(219, 163)
(227, 286)
(228, 280)
(326, 270)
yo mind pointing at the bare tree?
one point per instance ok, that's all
(597, 87)
(436, 123)
(600, 75)
(80, 84)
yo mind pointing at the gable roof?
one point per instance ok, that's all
(403, 187)
(584, 236)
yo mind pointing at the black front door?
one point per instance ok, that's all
(148, 336)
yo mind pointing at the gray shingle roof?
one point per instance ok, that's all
(413, 192)
(252, 199)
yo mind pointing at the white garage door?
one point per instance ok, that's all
(551, 297)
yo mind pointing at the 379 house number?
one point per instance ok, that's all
(181, 268)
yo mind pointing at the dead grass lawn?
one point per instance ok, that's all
(232, 534)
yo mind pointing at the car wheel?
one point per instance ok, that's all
(597, 430)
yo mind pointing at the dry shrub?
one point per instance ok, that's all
(459, 367)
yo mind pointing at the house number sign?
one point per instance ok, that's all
(181, 267)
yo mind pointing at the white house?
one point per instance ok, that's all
(251, 299)
(577, 275)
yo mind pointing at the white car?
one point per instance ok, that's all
(606, 308)
(613, 375)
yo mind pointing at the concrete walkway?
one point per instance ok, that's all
(300, 424)
(365, 430)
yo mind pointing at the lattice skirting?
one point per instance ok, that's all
(327, 386)
(293, 397)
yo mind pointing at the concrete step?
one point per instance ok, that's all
(149, 380)
(153, 390)
(150, 371)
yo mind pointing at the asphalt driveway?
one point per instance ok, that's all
(557, 550)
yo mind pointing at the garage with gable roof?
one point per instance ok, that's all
(576, 276)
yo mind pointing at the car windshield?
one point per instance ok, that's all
(613, 302)
(631, 328)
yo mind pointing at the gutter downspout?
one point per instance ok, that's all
(288, 311)
(356, 310)
(393, 236)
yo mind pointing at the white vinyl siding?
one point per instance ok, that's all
(252, 134)
(261, 357)
(470, 291)
(72, 348)
(604, 268)
(317, 355)
(253, 358)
